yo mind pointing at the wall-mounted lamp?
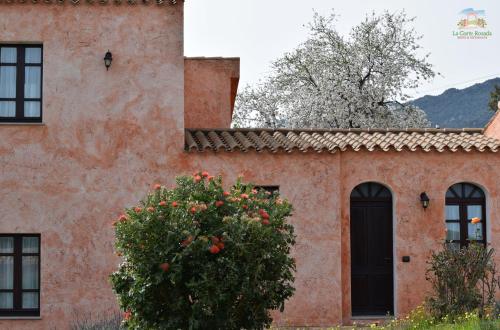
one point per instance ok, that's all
(424, 199)
(108, 58)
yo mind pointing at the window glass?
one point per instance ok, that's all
(21, 64)
(6, 273)
(475, 231)
(452, 212)
(33, 56)
(8, 82)
(454, 191)
(30, 300)
(32, 109)
(6, 244)
(453, 231)
(7, 108)
(478, 194)
(30, 244)
(19, 275)
(8, 55)
(474, 211)
(6, 300)
(32, 78)
(468, 190)
(465, 201)
(30, 272)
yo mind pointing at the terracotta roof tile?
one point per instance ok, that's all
(244, 140)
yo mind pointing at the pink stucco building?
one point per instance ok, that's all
(78, 143)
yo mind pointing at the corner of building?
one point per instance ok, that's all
(210, 88)
(492, 129)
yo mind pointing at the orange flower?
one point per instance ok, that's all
(165, 267)
(175, 204)
(205, 174)
(138, 210)
(187, 241)
(197, 178)
(264, 214)
(265, 222)
(244, 196)
(219, 203)
(226, 193)
(122, 218)
(151, 209)
(127, 315)
(221, 245)
(163, 203)
(210, 178)
(214, 249)
(157, 186)
(475, 220)
(193, 210)
(245, 207)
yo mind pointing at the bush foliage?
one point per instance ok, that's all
(463, 281)
(199, 257)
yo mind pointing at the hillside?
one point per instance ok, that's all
(457, 108)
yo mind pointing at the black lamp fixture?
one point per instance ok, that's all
(108, 58)
(424, 199)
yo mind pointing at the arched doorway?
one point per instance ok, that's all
(372, 279)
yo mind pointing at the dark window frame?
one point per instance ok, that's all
(17, 310)
(269, 188)
(20, 81)
(462, 203)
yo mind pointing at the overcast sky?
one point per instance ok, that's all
(259, 31)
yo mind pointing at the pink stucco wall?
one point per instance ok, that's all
(319, 186)
(492, 129)
(210, 86)
(108, 136)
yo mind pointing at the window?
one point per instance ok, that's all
(464, 202)
(19, 275)
(270, 189)
(20, 83)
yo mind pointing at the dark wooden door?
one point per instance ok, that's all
(372, 288)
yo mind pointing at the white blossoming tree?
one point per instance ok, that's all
(331, 81)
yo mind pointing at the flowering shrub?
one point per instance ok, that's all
(199, 257)
(463, 280)
(420, 319)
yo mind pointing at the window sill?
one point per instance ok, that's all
(3, 318)
(21, 124)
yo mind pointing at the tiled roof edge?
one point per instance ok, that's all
(339, 140)
(342, 130)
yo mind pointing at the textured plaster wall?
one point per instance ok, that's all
(210, 90)
(319, 186)
(107, 136)
(493, 127)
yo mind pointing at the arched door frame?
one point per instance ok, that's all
(375, 196)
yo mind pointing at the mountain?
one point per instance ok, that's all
(458, 108)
